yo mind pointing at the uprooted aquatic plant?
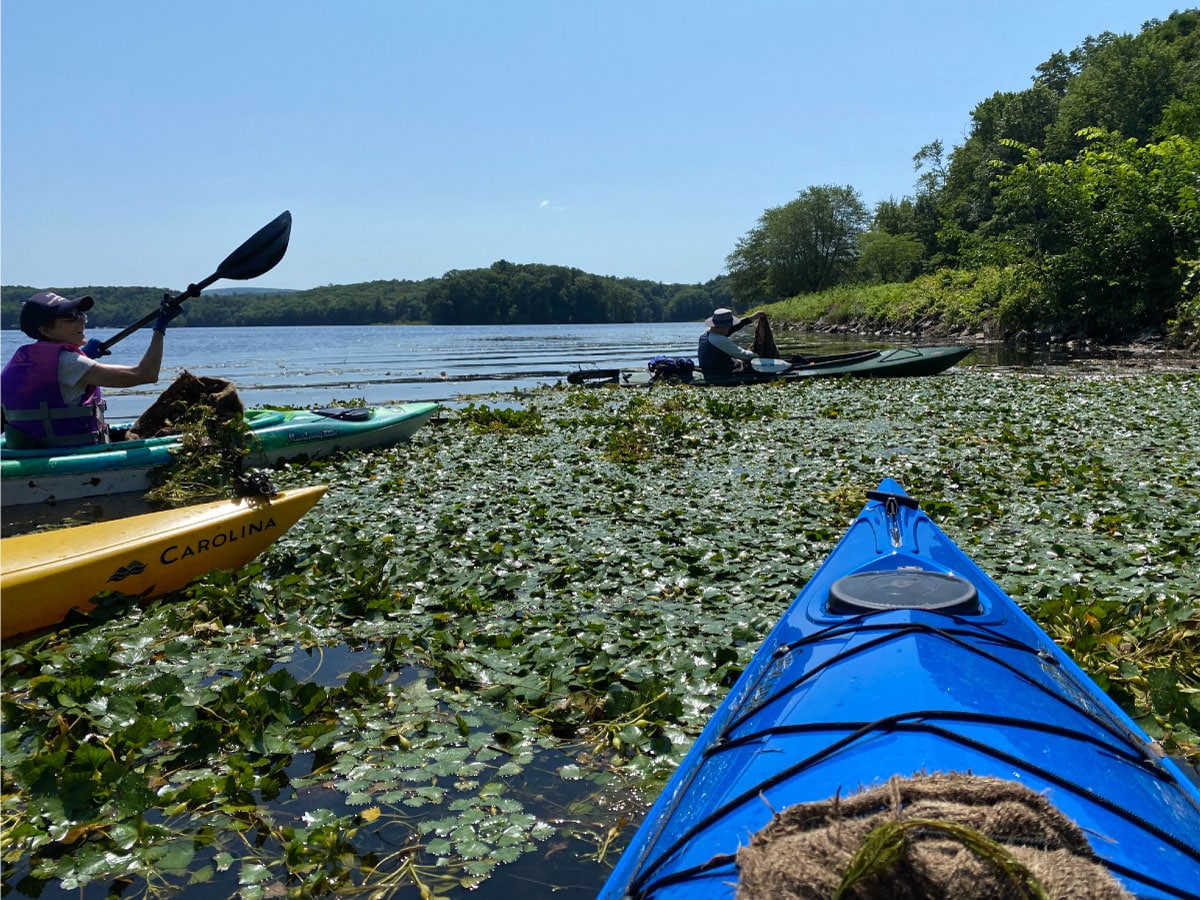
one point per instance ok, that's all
(207, 461)
(646, 428)
(519, 420)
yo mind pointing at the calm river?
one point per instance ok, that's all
(312, 366)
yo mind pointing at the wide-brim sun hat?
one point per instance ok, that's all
(722, 318)
(46, 306)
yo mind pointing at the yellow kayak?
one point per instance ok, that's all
(45, 575)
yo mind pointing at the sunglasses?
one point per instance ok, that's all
(73, 316)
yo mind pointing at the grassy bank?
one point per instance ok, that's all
(992, 302)
(946, 302)
(534, 610)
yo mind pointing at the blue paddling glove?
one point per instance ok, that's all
(167, 312)
(94, 349)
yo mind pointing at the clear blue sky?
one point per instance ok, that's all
(142, 140)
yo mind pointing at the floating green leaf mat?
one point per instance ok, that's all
(485, 649)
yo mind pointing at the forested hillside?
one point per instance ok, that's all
(503, 293)
(1077, 198)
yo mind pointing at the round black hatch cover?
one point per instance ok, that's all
(903, 589)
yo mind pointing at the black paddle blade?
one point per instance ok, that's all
(261, 252)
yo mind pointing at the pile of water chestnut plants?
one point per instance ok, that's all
(471, 666)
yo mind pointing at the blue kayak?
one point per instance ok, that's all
(901, 656)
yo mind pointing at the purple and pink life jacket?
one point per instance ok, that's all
(33, 403)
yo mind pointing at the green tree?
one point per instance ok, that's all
(504, 293)
(967, 203)
(1113, 234)
(1182, 114)
(1055, 74)
(804, 246)
(1125, 82)
(750, 265)
(1140, 86)
(692, 302)
(932, 168)
(886, 258)
(895, 216)
(901, 237)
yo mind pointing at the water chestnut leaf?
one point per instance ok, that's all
(516, 593)
(253, 873)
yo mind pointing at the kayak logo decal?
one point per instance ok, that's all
(174, 553)
(311, 434)
(134, 568)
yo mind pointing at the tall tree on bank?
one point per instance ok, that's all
(1113, 235)
(1142, 87)
(801, 247)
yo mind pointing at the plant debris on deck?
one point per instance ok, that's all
(489, 646)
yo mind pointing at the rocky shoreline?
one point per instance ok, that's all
(1151, 344)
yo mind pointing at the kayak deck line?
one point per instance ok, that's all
(899, 657)
(645, 885)
(891, 632)
(923, 722)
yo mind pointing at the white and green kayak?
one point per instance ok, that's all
(59, 474)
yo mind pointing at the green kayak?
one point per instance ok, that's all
(900, 362)
(51, 475)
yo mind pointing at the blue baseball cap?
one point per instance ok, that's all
(46, 306)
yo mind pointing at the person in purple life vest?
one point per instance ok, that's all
(51, 389)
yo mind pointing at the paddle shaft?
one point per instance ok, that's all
(192, 291)
(259, 253)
